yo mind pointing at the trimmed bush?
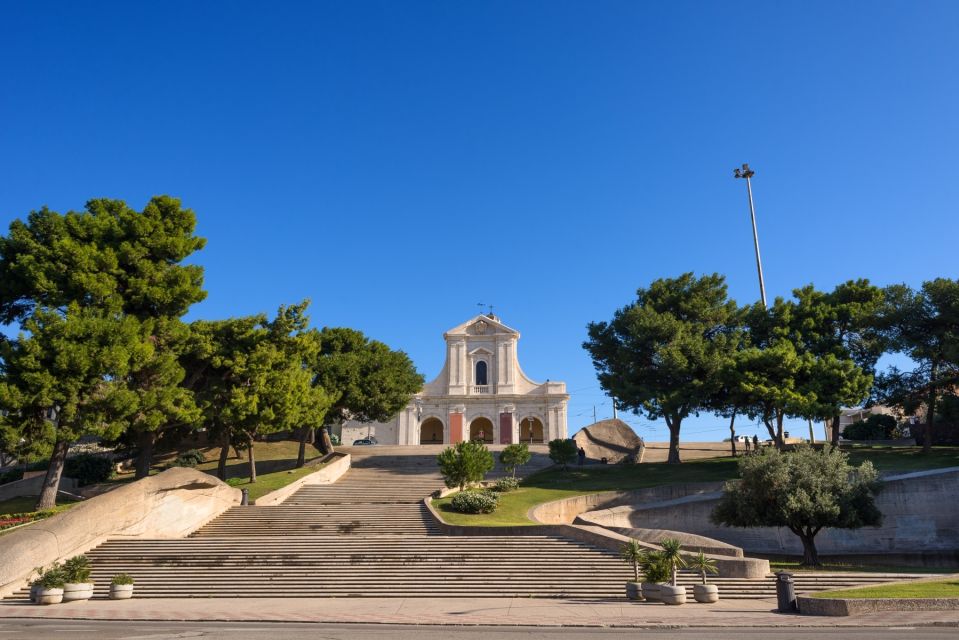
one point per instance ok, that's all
(505, 485)
(189, 459)
(475, 502)
(88, 468)
(875, 427)
(121, 579)
(77, 569)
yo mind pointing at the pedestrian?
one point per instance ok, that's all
(747, 444)
(581, 454)
(755, 443)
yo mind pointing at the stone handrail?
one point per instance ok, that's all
(171, 504)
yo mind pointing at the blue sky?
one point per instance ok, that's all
(399, 162)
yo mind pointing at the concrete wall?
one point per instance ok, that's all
(920, 512)
(31, 486)
(336, 465)
(730, 567)
(171, 504)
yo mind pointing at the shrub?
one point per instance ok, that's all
(189, 458)
(875, 427)
(122, 578)
(475, 502)
(464, 464)
(53, 578)
(11, 476)
(562, 451)
(77, 569)
(88, 468)
(505, 485)
(654, 567)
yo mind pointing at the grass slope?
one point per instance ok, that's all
(948, 588)
(555, 484)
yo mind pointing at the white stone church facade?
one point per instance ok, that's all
(481, 394)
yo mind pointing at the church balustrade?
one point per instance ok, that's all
(482, 388)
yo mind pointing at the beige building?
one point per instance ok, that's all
(481, 394)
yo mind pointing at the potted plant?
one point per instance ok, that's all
(35, 585)
(121, 587)
(51, 585)
(77, 572)
(633, 553)
(704, 592)
(654, 573)
(673, 560)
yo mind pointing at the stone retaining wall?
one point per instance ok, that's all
(334, 466)
(856, 606)
(171, 504)
(919, 510)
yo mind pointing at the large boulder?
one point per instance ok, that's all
(611, 439)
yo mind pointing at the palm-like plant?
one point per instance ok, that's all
(703, 565)
(633, 553)
(672, 556)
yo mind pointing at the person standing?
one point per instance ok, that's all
(581, 455)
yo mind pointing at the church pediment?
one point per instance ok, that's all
(482, 325)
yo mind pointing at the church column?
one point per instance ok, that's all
(456, 423)
(506, 424)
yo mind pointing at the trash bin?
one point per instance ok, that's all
(785, 592)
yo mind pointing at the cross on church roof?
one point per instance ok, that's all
(488, 306)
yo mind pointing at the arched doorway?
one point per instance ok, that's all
(531, 430)
(431, 431)
(481, 429)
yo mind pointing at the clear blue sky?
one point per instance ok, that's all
(398, 162)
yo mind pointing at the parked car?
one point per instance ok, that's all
(364, 441)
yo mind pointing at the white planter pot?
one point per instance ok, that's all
(49, 596)
(634, 591)
(121, 591)
(706, 593)
(672, 595)
(77, 591)
(651, 591)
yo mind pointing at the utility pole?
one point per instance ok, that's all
(748, 173)
(594, 414)
(614, 408)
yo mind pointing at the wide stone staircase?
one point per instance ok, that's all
(369, 534)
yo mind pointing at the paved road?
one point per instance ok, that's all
(94, 630)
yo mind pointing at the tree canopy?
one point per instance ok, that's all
(805, 490)
(662, 355)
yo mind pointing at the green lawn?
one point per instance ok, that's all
(267, 482)
(948, 588)
(275, 466)
(555, 484)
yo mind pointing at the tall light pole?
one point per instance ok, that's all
(748, 173)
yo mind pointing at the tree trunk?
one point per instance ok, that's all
(931, 412)
(812, 434)
(810, 557)
(252, 462)
(145, 441)
(326, 445)
(674, 426)
(51, 481)
(780, 441)
(834, 436)
(221, 464)
(306, 437)
(732, 433)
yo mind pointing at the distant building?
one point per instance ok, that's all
(481, 394)
(848, 416)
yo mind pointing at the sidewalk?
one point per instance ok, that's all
(464, 611)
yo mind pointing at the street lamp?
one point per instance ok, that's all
(748, 173)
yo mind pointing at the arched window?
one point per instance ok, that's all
(481, 378)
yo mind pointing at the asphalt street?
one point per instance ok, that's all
(96, 630)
